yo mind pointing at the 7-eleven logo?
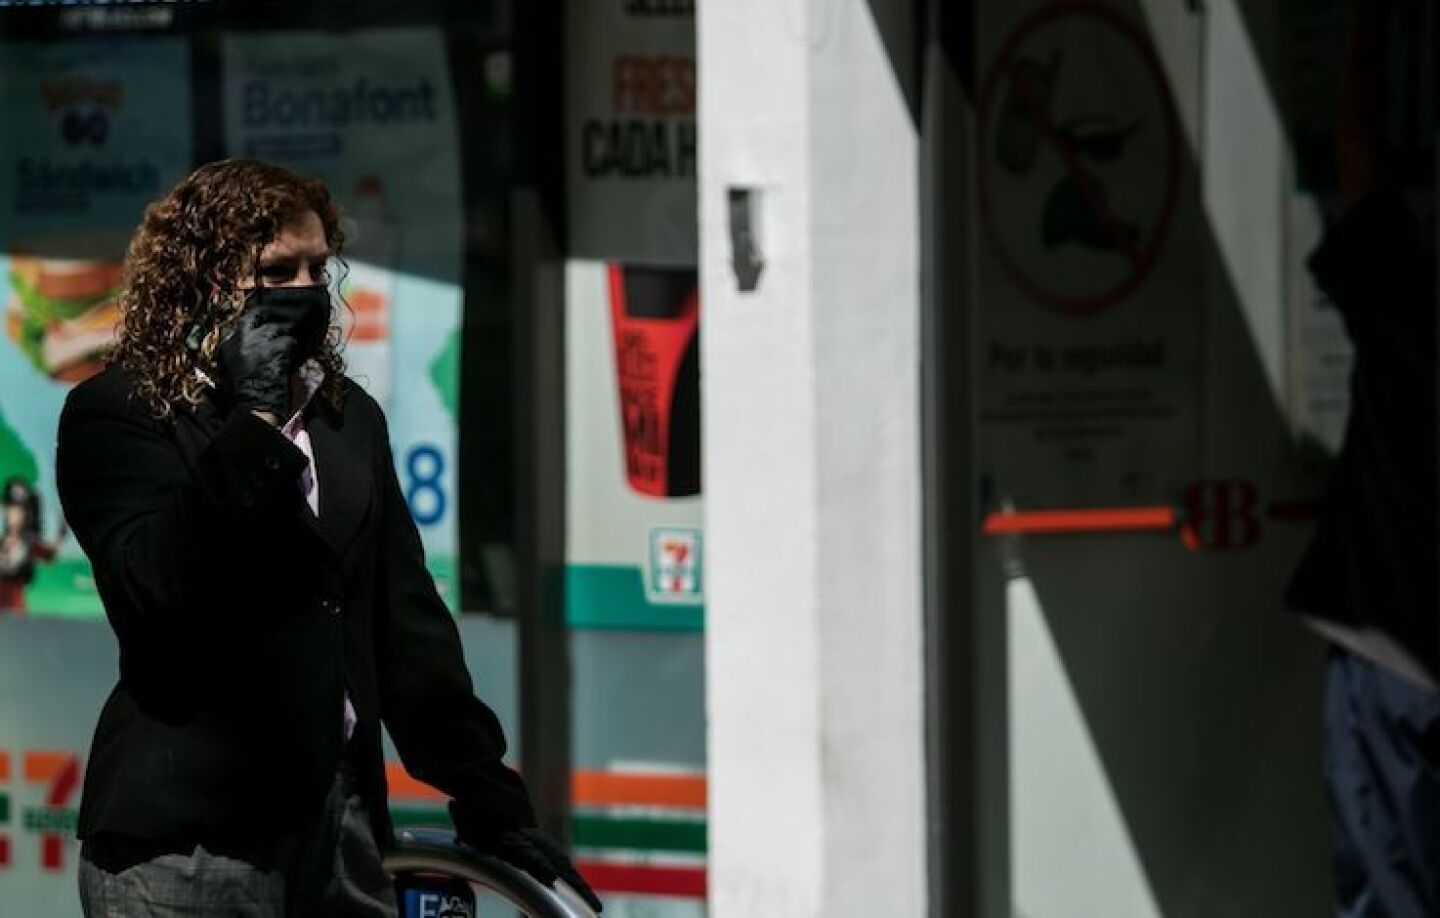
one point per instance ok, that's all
(675, 565)
(57, 774)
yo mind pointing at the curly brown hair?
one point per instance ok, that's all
(182, 269)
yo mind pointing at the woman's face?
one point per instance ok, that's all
(296, 257)
(14, 518)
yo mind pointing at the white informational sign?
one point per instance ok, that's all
(631, 143)
(371, 113)
(92, 131)
(1088, 275)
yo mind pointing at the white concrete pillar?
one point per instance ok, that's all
(811, 404)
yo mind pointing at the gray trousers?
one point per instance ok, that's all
(330, 868)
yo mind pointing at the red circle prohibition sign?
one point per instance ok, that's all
(1142, 259)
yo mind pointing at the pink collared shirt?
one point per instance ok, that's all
(311, 377)
(295, 431)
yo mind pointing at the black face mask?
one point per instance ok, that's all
(305, 311)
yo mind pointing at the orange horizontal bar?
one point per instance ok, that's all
(587, 788)
(42, 766)
(4, 767)
(1117, 519)
(402, 785)
(609, 788)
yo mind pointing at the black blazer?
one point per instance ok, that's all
(242, 619)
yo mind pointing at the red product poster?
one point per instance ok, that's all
(655, 315)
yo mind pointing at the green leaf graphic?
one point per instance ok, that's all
(445, 374)
(15, 457)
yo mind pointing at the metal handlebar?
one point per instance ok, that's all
(436, 851)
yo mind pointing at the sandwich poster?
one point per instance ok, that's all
(92, 132)
(370, 112)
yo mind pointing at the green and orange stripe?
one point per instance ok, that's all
(638, 833)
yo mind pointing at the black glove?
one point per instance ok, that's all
(538, 855)
(255, 363)
(535, 853)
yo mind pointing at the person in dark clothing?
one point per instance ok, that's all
(1369, 581)
(236, 495)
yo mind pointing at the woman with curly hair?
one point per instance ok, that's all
(236, 496)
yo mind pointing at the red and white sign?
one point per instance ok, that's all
(1089, 262)
(1077, 183)
(675, 560)
(632, 147)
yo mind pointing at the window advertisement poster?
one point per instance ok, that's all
(631, 141)
(371, 113)
(93, 131)
(1087, 275)
(635, 584)
(634, 558)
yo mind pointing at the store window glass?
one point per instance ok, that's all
(404, 110)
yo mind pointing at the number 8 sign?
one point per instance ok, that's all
(425, 493)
